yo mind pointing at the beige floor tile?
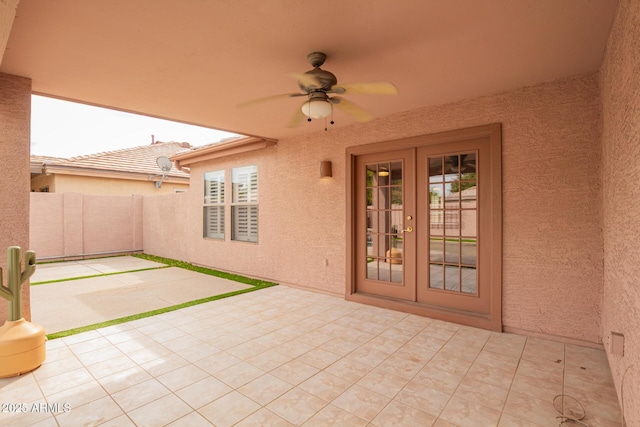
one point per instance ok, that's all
(333, 416)
(265, 389)
(469, 414)
(325, 385)
(531, 409)
(192, 419)
(229, 409)
(263, 418)
(535, 387)
(123, 336)
(269, 360)
(65, 381)
(296, 406)
(160, 412)
(121, 421)
(92, 413)
(124, 379)
(294, 372)
(97, 343)
(319, 358)
(400, 366)
(111, 366)
(239, 374)
(182, 377)
(507, 420)
(490, 375)
(481, 393)
(217, 362)
(340, 346)
(385, 383)
(348, 369)
(452, 364)
(506, 344)
(78, 395)
(203, 392)
(164, 364)
(369, 355)
(149, 353)
(438, 379)
(542, 369)
(19, 389)
(495, 360)
(247, 350)
(140, 394)
(444, 423)
(398, 414)
(361, 402)
(128, 347)
(23, 414)
(424, 398)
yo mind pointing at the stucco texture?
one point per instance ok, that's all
(621, 203)
(552, 258)
(69, 225)
(15, 114)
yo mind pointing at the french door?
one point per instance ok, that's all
(424, 228)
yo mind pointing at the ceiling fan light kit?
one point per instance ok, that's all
(317, 84)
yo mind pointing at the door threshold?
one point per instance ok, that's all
(476, 320)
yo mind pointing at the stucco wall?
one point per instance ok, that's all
(621, 201)
(552, 257)
(15, 113)
(93, 185)
(73, 224)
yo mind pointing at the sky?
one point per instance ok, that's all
(67, 129)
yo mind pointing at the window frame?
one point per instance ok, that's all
(239, 191)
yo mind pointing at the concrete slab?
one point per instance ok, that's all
(71, 304)
(89, 267)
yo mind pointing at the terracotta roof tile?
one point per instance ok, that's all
(137, 159)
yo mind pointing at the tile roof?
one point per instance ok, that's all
(132, 160)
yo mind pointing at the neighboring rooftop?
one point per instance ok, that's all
(136, 160)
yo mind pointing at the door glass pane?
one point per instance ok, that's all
(469, 280)
(469, 252)
(452, 251)
(436, 277)
(436, 247)
(372, 268)
(384, 221)
(453, 216)
(452, 278)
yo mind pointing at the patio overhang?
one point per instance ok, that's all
(215, 151)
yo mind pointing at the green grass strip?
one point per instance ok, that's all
(74, 331)
(204, 270)
(256, 283)
(96, 275)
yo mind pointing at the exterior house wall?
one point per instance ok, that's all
(621, 202)
(552, 234)
(94, 185)
(69, 225)
(15, 125)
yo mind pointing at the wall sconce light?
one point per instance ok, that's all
(325, 169)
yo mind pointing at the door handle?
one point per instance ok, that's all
(408, 230)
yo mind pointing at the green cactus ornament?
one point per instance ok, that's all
(15, 279)
(22, 343)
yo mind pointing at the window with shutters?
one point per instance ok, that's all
(213, 226)
(244, 203)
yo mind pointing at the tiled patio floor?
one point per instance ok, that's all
(282, 356)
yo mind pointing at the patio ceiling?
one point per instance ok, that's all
(194, 61)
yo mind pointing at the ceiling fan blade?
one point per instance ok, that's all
(380, 88)
(297, 118)
(307, 80)
(270, 98)
(352, 109)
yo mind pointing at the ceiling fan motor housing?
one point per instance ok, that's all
(326, 80)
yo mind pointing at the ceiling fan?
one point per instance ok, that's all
(320, 87)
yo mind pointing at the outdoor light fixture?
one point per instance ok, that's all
(325, 169)
(317, 108)
(383, 172)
